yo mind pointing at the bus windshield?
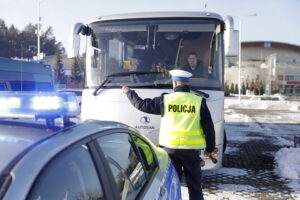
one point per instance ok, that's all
(155, 46)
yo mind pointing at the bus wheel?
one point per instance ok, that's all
(224, 142)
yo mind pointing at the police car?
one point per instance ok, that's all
(83, 160)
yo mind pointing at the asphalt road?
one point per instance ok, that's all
(248, 173)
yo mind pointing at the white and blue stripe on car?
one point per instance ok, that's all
(170, 185)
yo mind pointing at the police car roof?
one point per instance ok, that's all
(17, 137)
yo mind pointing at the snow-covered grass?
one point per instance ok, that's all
(288, 163)
(276, 118)
(287, 159)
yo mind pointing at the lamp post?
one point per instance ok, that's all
(240, 52)
(240, 57)
(38, 31)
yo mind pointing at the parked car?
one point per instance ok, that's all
(91, 160)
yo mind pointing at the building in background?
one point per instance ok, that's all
(266, 67)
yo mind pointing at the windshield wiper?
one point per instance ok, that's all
(106, 80)
(132, 73)
(120, 74)
(153, 85)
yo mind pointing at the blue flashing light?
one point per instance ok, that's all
(9, 103)
(39, 105)
(46, 102)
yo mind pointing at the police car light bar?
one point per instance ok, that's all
(39, 105)
(46, 103)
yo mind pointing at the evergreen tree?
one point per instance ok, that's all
(59, 68)
(48, 43)
(262, 89)
(258, 87)
(232, 88)
(4, 42)
(243, 88)
(76, 71)
(2, 25)
(226, 87)
(236, 89)
(11, 40)
(252, 86)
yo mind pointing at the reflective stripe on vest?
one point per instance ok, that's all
(180, 126)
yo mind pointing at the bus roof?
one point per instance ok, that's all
(166, 14)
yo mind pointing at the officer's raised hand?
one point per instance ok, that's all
(125, 89)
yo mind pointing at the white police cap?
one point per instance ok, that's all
(180, 75)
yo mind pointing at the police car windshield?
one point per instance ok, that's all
(155, 46)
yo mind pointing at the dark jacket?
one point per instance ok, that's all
(197, 72)
(200, 71)
(155, 106)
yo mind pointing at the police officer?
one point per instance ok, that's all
(186, 127)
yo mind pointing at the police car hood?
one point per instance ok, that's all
(16, 137)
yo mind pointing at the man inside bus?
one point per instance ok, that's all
(186, 127)
(195, 66)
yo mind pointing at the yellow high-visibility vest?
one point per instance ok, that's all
(146, 150)
(180, 125)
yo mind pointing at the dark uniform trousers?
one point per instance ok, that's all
(187, 161)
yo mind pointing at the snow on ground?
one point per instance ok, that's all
(229, 150)
(230, 171)
(288, 163)
(264, 116)
(258, 118)
(231, 192)
(256, 102)
(278, 118)
(287, 159)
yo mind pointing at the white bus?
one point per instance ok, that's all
(161, 41)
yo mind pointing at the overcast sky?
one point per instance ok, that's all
(276, 20)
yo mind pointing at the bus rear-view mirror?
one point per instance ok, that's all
(231, 38)
(74, 40)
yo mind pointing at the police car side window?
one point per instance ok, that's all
(123, 161)
(70, 176)
(146, 154)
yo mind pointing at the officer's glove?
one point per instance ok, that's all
(212, 156)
